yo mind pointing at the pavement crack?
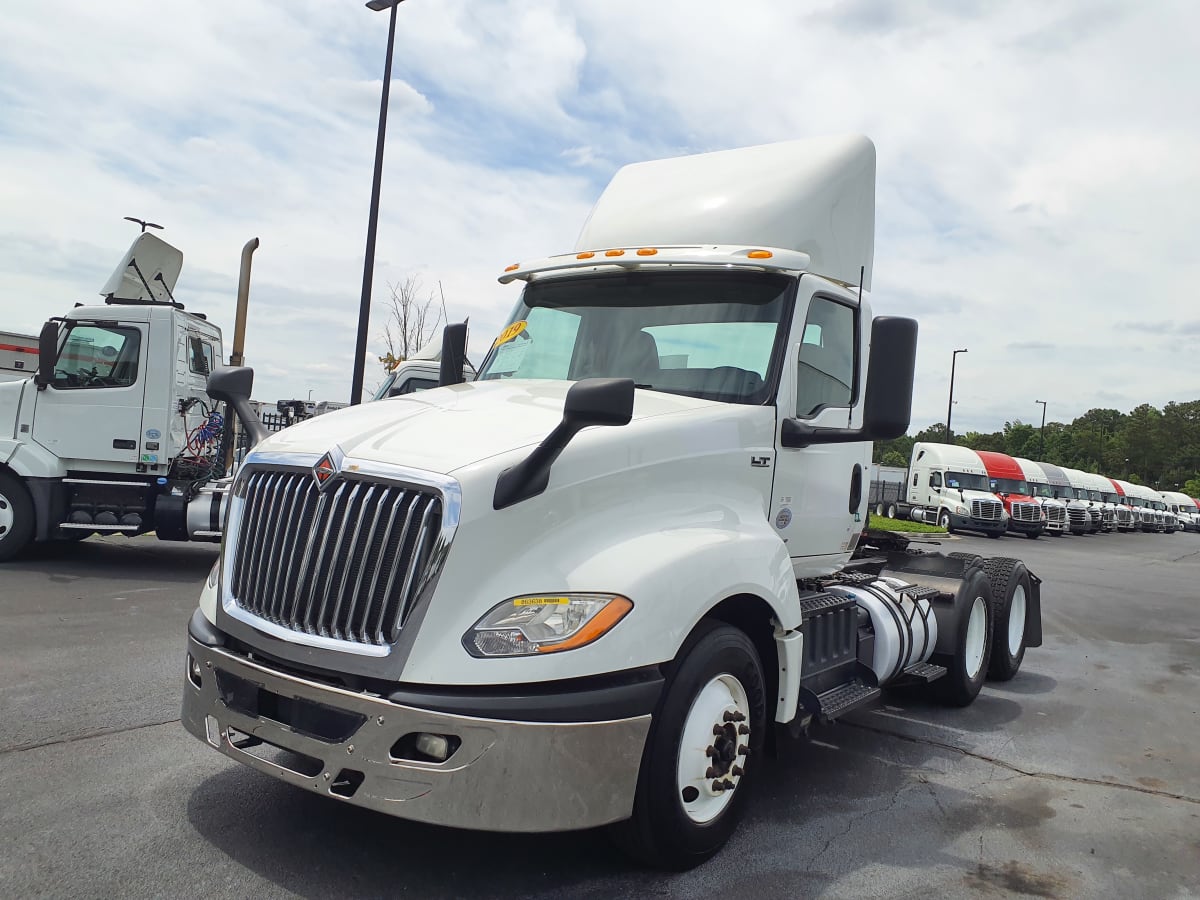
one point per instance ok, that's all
(1050, 776)
(103, 732)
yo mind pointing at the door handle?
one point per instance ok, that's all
(856, 480)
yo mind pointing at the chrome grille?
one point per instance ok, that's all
(1055, 513)
(1107, 515)
(1078, 515)
(1124, 517)
(1026, 512)
(986, 509)
(345, 563)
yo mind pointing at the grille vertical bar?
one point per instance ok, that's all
(346, 563)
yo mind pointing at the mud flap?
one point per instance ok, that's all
(1033, 613)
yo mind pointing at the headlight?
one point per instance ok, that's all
(524, 626)
(215, 574)
(962, 510)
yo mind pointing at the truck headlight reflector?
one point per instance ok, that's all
(215, 574)
(962, 510)
(524, 626)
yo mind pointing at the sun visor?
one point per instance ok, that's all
(147, 273)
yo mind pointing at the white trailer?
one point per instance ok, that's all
(18, 355)
(592, 586)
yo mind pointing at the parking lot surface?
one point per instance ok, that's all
(1080, 778)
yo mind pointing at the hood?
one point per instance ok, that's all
(444, 429)
(10, 402)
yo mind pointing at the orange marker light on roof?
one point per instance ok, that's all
(512, 268)
(586, 254)
(647, 251)
(614, 252)
(760, 254)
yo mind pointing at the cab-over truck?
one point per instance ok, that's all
(589, 587)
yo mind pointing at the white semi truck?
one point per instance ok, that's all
(590, 586)
(949, 485)
(114, 432)
(1043, 493)
(1184, 508)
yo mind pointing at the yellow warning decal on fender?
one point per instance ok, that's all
(509, 333)
(541, 601)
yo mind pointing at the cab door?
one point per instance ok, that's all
(92, 409)
(819, 495)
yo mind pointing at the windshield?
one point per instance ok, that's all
(1065, 492)
(712, 336)
(1010, 486)
(1112, 498)
(1095, 495)
(1041, 490)
(963, 481)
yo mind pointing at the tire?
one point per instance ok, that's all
(1011, 589)
(891, 511)
(961, 554)
(666, 830)
(16, 516)
(967, 666)
(1033, 535)
(879, 510)
(994, 535)
(943, 520)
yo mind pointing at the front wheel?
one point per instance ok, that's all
(1033, 535)
(16, 516)
(698, 755)
(944, 520)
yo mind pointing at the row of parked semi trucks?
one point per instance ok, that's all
(962, 489)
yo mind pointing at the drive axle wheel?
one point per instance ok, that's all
(967, 664)
(16, 516)
(692, 781)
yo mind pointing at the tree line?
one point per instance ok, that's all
(1159, 448)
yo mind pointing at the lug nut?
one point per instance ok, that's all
(712, 772)
(710, 751)
(739, 716)
(718, 786)
(737, 771)
(743, 729)
(743, 750)
(718, 730)
(729, 785)
(730, 716)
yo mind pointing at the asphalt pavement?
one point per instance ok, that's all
(1080, 778)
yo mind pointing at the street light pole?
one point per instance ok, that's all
(950, 405)
(1042, 452)
(364, 305)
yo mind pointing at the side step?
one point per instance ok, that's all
(918, 673)
(843, 699)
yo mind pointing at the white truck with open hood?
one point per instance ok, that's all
(587, 588)
(113, 431)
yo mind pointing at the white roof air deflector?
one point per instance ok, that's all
(159, 265)
(815, 196)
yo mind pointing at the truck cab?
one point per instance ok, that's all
(1103, 497)
(1007, 481)
(582, 589)
(1184, 508)
(420, 372)
(1099, 518)
(1043, 493)
(114, 432)
(950, 485)
(1081, 517)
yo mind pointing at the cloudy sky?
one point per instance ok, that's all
(1038, 183)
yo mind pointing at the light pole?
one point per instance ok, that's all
(1042, 452)
(364, 306)
(950, 405)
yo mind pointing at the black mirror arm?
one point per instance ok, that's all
(797, 434)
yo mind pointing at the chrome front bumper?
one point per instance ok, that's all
(504, 776)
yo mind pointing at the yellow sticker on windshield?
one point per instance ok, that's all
(509, 333)
(541, 601)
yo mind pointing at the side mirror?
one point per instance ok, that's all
(887, 406)
(47, 355)
(593, 401)
(454, 354)
(232, 385)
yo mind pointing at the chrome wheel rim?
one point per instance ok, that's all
(715, 735)
(976, 637)
(6, 516)
(1016, 621)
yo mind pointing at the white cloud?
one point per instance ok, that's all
(1037, 163)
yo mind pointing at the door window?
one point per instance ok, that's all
(828, 358)
(98, 356)
(200, 356)
(412, 385)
